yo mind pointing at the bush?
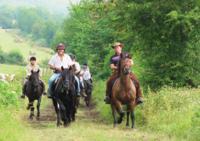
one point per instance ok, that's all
(2, 57)
(8, 96)
(15, 57)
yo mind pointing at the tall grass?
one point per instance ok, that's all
(171, 111)
(10, 127)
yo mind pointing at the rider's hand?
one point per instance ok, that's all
(58, 69)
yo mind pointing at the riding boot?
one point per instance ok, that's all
(23, 91)
(139, 98)
(43, 87)
(107, 98)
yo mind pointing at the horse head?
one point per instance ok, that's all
(67, 78)
(34, 78)
(125, 63)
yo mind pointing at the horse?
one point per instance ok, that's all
(123, 92)
(88, 91)
(64, 97)
(34, 92)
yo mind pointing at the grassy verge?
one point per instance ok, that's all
(170, 111)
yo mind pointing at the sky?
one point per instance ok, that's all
(58, 6)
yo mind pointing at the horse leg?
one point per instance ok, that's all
(88, 98)
(120, 111)
(114, 115)
(32, 110)
(29, 104)
(58, 115)
(127, 121)
(56, 106)
(38, 108)
(133, 118)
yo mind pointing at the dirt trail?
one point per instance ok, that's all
(87, 127)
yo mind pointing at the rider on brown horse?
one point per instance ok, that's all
(114, 61)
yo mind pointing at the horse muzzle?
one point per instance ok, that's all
(126, 71)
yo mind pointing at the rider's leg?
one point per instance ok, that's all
(81, 82)
(109, 85)
(139, 98)
(51, 80)
(78, 89)
(24, 88)
(43, 87)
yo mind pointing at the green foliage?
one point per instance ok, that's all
(37, 22)
(168, 32)
(8, 95)
(13, 57)
(6, 17)
(161, 35)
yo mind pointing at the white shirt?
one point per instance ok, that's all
(56, 61)
(34, 68)
(86, 74)
(77, 67)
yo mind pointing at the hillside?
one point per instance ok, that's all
(10, 41)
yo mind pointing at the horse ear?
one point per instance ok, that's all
(62, 68)
(70, 68)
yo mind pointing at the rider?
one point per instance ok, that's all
(114, 61)
(32, 66)
(77, 72)
(60, 59)
(86, 73)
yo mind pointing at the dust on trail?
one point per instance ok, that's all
(87, 127)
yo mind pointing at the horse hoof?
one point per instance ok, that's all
(59, 124)
(66, 124)
(119, 121)
(28, 108)
(38, 118)
(31, 117)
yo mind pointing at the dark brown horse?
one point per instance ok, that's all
(88, 91)
(34, 92)
(64, 97)
(123, 92)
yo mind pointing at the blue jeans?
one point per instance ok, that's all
(51, 80)
(78, 85)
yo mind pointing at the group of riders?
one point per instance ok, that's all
(63, 60)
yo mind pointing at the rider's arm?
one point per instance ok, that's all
(113, 67)
(54, 68)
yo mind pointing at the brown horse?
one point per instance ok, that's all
(123, 92)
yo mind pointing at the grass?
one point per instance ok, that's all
(10, 41)
(171, 111)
